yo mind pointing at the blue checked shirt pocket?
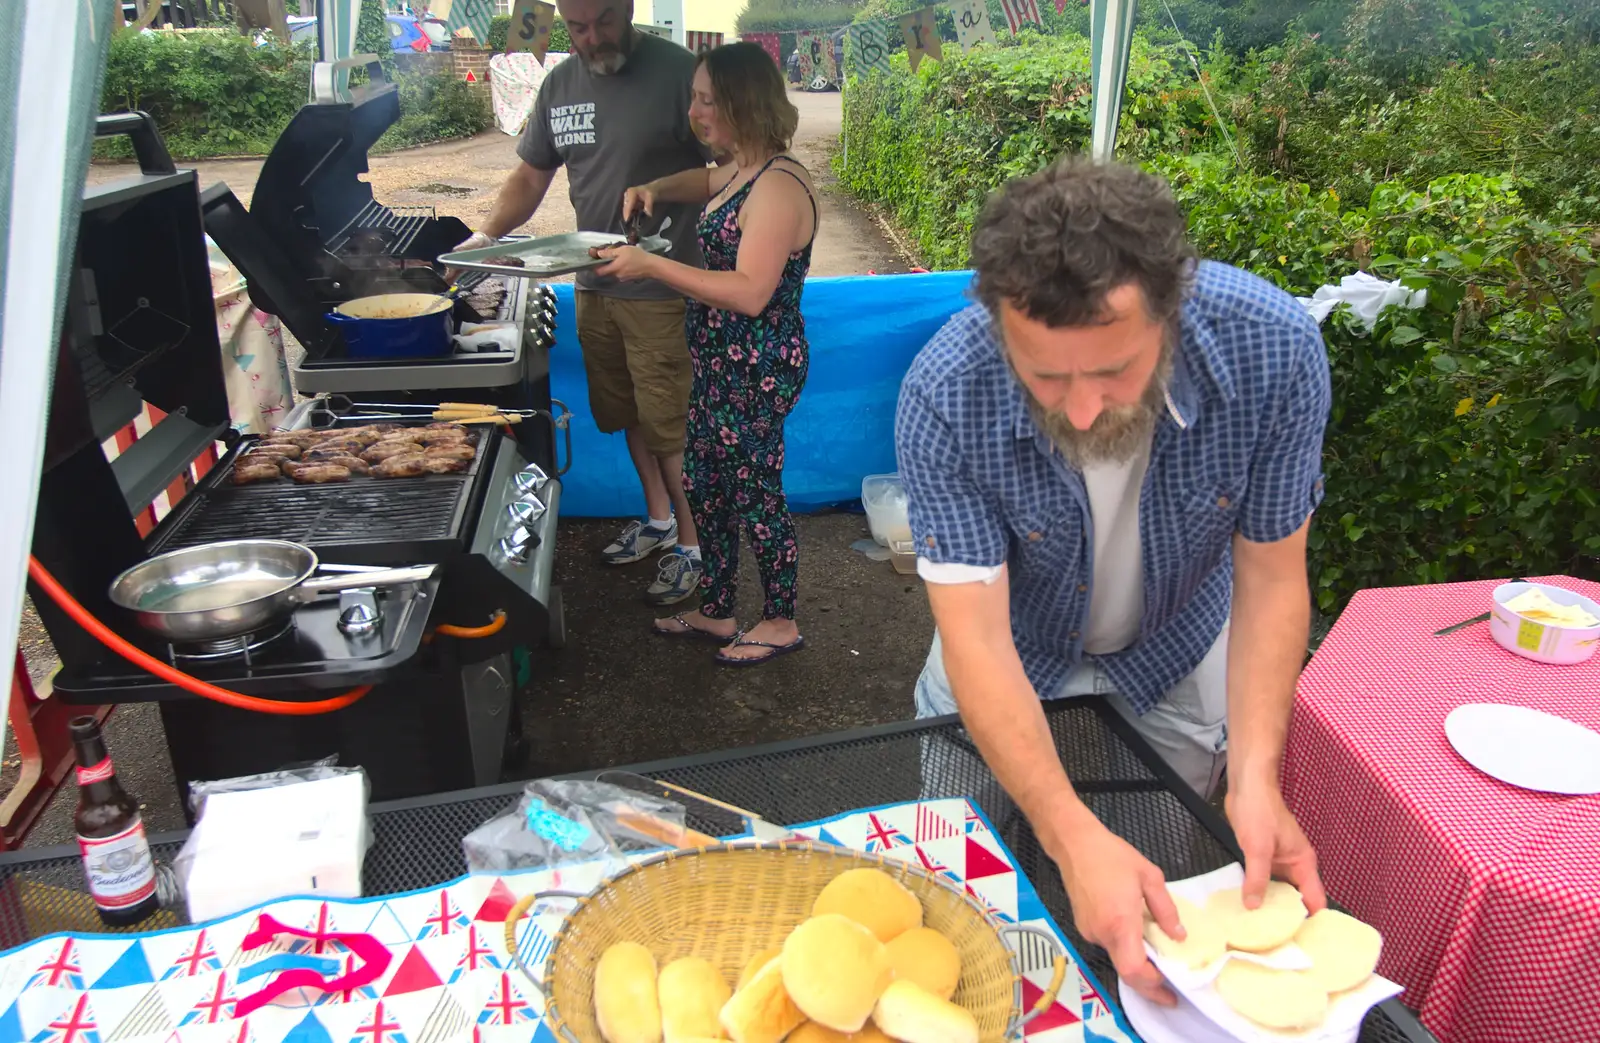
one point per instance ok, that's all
(1210, 518)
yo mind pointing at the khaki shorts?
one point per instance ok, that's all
(637, 360)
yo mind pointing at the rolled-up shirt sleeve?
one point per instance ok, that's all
(1286, 479)
(952, 521)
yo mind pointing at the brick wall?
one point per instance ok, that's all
(465, 56)
(428, 63)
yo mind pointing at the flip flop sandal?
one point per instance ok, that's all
(690, 631)
(777, 650)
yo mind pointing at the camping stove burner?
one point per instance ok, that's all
(230, 647)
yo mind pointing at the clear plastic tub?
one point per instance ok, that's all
(888, 515)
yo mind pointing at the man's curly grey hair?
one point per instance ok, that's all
(1053, 245)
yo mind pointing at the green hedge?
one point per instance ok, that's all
(500, 28)
(1464, 437)
(217, 94)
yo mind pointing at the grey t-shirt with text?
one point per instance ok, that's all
(614, 132)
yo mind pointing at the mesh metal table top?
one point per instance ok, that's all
(417, 843)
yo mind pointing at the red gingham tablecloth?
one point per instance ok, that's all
(1488, 896)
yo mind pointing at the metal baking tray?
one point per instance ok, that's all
(548, 256)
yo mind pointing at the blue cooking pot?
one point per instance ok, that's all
(395, 326)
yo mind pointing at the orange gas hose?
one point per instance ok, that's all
(489, 629)
(111, 640)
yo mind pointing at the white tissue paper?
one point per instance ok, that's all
(1367, 296)
(254, 846)
(487, 336)
(1202, 1016)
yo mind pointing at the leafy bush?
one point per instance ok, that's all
(1464, 436)
(211, 93)
(217, 94)
(436, 108)
(775, 16)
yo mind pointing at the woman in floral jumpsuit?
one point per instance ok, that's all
(746, 339)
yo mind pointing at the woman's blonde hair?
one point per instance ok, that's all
(749, 93)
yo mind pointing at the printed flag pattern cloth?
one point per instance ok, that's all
(869, 47)
(769, 42)
(700, 42)
(1020, 13)
(972, 23)
(449, 979)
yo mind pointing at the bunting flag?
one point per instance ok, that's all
(869, 47)
(972, 23)
(922, 35)
(531, 22)
(816, 55)
(772, 43)
(471, 15)
(1020, 13)
(699, 42)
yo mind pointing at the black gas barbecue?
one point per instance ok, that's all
(314, 237)
(141, 330)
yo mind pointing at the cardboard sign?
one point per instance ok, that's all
(531, 21)
(922, 36)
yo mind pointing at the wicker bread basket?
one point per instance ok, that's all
(727, 902)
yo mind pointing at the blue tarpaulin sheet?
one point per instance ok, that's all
(863, 331)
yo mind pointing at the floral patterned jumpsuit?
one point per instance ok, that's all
(748, 373)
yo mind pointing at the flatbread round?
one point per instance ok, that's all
(1344, 951)
(1204, 939)
(1258, 930)
(1284, 1000)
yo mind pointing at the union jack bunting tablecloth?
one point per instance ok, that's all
(447, 979)
(1488, 896)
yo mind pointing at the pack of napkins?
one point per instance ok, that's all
(257, 845)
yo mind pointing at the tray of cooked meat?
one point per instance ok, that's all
(374, 451)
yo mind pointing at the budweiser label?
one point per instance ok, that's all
(120, 870)
(99, 773)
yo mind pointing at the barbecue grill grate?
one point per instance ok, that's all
(365, 521)
(403, 223)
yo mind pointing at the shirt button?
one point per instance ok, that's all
(1083, 588)
(1223, 501)
(1034, 537)
(1073, 635)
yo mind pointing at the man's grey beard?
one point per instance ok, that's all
(1117, 434)
(612, 63)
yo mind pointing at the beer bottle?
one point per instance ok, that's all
(116, 856)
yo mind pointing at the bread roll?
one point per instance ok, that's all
(761, 1012)
(911, 1014)
(692, 995)
(1204, 940)
(835, 969)
(811, 1032)
(626, 1004)
(872, 898)
(925, 956)
(1284, 1000)
(755, 963)
(1344, 951)
(1267, 926)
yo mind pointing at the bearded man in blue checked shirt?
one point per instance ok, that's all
(1112, 462)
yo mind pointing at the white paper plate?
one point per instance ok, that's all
(1527, 748)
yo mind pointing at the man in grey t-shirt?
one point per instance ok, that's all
(616, 114)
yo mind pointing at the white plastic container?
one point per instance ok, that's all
(888, 511)
(1543, 642)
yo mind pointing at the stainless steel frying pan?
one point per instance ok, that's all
(221, 590)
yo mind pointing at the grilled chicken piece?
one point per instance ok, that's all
(354, 464)
(318, 473)
(388, 450)
(409, 466)
(277, 450)
(450, 451)
(246, 471)
(443, 436)
(444, 464)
